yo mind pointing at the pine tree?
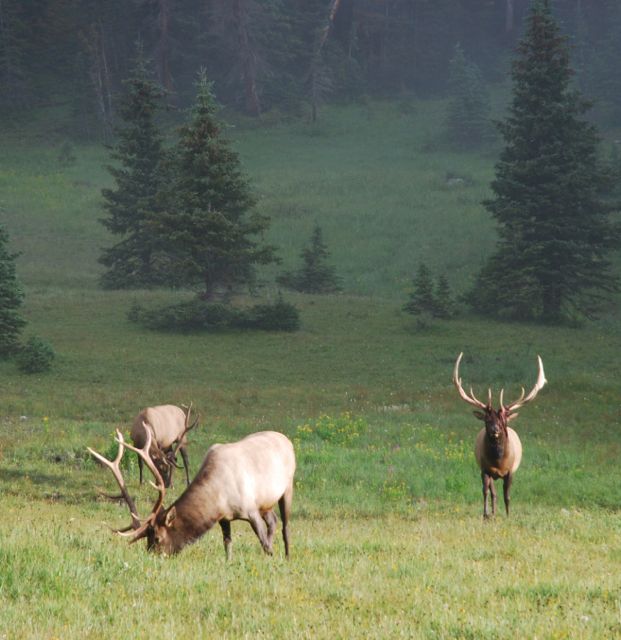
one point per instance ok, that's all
(315, 275)
(11, 297)
(422, 299)
(443, 304)
(132, 204)
(207, 222)
(468, 117)
(553, 225)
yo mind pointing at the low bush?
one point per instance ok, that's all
(198, 315)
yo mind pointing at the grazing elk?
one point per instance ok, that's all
(498, 449)
(238, 481)
(168, 426)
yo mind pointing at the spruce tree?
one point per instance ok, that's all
(213, 235)
(443, 304)
(553, 224)
(315, 275)
(468, 116)
(131, 205)
(11, 297)
(422, 300)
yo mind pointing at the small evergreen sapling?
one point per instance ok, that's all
(36, 356)
(315, 275)
(444, 307)
(422, 300)
(427, 300)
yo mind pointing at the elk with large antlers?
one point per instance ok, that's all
(498, 449)
(168, 426)
(238, 481)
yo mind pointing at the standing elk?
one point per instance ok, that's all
(168, 426)
(498, 449)
(238, 481)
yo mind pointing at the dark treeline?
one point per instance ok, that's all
(278, 54)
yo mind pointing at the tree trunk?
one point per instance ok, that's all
(509, 16)
(248, 58)
(163, 46)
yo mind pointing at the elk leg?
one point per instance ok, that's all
(492, 489)
(140, 463)
(284, 504)
(487, 483)
(258, 526)
(270, 520)
(225, 525)
(506, 489)
(186, 463)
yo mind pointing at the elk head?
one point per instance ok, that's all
(497, 420)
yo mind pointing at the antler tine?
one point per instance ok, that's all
(161, 487)
(541, 380)
(114, 466)
(470, 399)
(185, 430)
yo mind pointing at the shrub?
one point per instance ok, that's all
(198, 315)
(277, 316)
(35, 356)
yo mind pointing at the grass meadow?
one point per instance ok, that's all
(387, 535)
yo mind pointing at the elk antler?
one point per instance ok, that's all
(541, 380)
(137, 528)
(141, 532)
(470, 399)
(114, 466)
(185, 430)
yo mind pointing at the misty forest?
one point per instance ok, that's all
(310, 231)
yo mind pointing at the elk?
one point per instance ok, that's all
(168, 426)
(238, 481)
(498, 449)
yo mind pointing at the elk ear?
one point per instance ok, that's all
(511, 416)
(479, 414)
(171, 514)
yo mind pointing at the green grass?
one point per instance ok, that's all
(388, 539)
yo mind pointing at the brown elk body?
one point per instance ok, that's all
(497, 449)
(168, 426)
(242, 480)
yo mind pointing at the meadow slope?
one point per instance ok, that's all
(388, 539)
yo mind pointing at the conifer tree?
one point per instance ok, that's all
(315, 275)
(468, 117)
(443, 304)
(11, 297)
(422, 299)
(213, 235)
(553, 224)
(131, 205)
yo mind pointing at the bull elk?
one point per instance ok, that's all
(168, 426)
(498, 449)
(238, 481)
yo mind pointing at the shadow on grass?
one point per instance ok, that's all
(45, 486)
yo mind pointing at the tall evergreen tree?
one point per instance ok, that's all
(208, 220)
(132, 204)
(468, 117)
(11, 297)
(554, 228)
